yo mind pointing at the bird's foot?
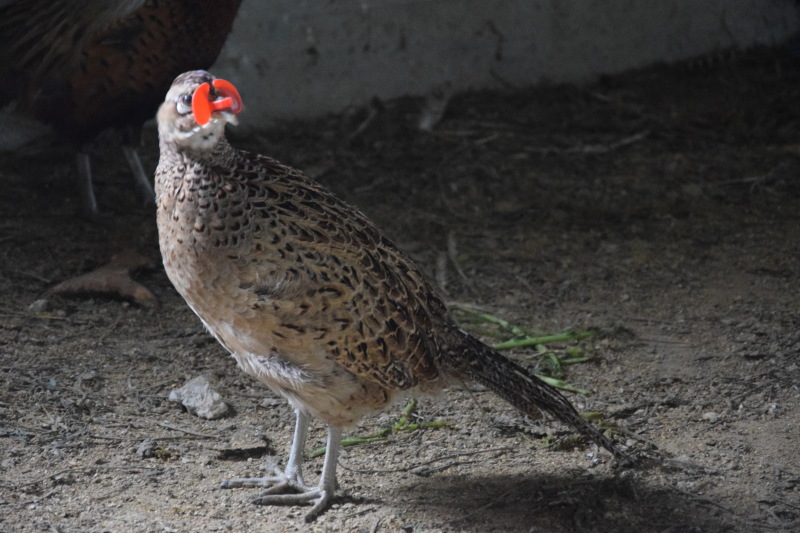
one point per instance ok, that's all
(317, 496)
(285, 490)
(282, 480)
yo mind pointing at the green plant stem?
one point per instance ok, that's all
(402, 424)
(525, 341)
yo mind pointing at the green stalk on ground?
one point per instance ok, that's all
(403, 424)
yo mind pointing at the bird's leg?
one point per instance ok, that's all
(88, 200)
(291, 479)
(292, 476)
(327, 481)
(293, 473)
(139, 176)
(320, 496)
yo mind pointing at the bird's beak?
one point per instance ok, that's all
(227, 116)
(223, 102)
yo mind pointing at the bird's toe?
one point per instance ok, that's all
(318, 497)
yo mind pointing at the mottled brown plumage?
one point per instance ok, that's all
(307, 294)
(83, 67)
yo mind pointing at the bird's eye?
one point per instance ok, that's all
(184, 104)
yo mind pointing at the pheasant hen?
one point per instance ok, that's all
(83, 67)
(306, 293)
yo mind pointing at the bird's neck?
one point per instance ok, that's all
(183, 174)
(222, 155)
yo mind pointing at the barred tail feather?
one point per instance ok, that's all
(473, 360)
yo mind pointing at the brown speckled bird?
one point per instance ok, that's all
(83, 67)
(306, 293)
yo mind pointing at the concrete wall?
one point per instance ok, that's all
(300, 58)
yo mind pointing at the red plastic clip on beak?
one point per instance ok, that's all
(202, 107)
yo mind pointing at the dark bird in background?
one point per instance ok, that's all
(306, 293)
(83, 67)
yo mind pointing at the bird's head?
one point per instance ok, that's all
(196, 110)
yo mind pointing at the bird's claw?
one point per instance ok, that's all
(320, 498)
(250, 482)
(284, 490)
(280, 481)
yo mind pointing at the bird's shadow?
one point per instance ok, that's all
(557, 503)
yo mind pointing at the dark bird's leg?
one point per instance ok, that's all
(88, 200)
(292, 476)
(140, 178)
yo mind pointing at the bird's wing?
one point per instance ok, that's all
(324, 278)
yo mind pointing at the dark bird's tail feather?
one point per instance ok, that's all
(473, 360)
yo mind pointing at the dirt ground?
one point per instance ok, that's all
(658, 208)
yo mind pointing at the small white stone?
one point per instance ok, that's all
(39, 306)
(200, 399)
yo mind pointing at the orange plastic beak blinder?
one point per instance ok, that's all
(203, 106)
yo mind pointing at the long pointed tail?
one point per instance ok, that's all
(473, 360)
